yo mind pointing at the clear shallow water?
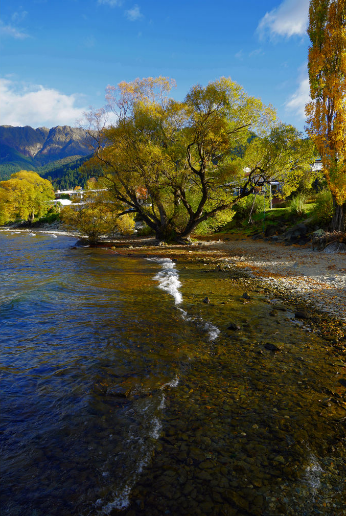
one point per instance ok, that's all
(83, 374)
(112, 386)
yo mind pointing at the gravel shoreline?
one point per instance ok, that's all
(316, 277)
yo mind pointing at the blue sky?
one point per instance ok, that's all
(57, 57)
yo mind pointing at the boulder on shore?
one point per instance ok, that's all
(335, 247)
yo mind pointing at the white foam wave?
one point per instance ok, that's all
(154, 427)
(168, 279)
(120, 503)
(212, 330)
(172, 383)
(313, 474)
(157, 427)
(162, 402)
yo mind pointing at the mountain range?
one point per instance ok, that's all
(43, 150)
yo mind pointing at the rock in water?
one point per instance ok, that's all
(335, 247)
(233, 326)
(301, 314)
(271, 347)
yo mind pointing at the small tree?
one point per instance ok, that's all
(326, 113)
(24, 196)
(97, 215)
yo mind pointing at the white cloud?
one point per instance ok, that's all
(19, 16)
(256, 52)
(112, 3)
(289, 19)
(37, 106)
(11, 32)
(133, 14)
(297, 101)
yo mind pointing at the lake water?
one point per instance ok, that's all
(121, 391)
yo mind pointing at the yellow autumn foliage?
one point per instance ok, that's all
(326, 113)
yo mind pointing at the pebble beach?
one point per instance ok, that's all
(316, 277)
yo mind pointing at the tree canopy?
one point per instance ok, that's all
(283, 155)
(176, 163)
(326, 113)
(24, 196)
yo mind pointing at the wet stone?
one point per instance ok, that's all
(301, 314)
(271, 347)
(207, 465)
(233, 326)
(203, 475)
(235, 497)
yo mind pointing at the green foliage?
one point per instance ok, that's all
(145, 231)
(215, 223)
(297, 205)
(323, 207)
(64, 173)
(282, 155)
(253, 204)
(51, 216)
(68, 173)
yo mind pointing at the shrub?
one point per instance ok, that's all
(297, 205)
(126, 224)
(145, 231)
(256, 203)
(323, 209)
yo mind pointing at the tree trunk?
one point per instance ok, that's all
(339, 219)
(165, 233)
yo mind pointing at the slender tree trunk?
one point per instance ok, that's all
(339, 217)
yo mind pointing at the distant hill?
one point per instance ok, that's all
(42, 150)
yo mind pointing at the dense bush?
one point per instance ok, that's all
(323, 209)
(256, 203)
(297, 205)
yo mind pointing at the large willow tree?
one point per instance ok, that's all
(169, 161)
(177, 164)
(326, 113)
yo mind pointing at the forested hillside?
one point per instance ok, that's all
(53, 152)
(67, 175)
